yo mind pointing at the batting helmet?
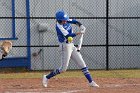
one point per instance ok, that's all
(61, 15)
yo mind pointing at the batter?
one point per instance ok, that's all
(68, 50)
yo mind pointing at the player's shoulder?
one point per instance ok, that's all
(58, 25)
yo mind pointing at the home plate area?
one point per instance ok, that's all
(70, 85)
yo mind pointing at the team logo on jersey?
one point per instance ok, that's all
(67, 27)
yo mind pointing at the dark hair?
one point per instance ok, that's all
(59, 21)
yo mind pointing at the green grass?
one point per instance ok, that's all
(117, 73)
(74, 73)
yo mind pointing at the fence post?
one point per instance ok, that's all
(107, 37)
(28, 33)
(13, 19)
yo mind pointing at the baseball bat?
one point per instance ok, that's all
(80, 42)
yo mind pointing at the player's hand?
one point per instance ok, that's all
(78, 33)
(82, 29)
(78, 50)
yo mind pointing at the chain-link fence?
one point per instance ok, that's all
(111, 41)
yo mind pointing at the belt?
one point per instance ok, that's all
(68, 42)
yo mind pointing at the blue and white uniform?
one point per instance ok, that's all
(65, 30)
(67, 49)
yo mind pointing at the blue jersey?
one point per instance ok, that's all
(65, 30)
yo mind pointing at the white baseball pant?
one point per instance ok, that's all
(69, 51)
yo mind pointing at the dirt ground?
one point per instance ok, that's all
(70, 85)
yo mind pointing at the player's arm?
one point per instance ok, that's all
(82, 30)
(60, 29)
(73, 21)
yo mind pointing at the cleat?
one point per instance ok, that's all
(93, 84)
(45, 81)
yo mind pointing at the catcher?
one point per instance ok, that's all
(5, 47)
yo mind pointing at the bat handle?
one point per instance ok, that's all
(78, 50)
(80, 43)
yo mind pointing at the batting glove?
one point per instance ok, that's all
(82, 28)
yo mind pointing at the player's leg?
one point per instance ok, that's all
(66, 50)
(77, 57)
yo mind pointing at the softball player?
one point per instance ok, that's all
(68, 50)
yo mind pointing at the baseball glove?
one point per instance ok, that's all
(6, 46)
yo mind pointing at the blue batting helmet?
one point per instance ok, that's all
(61, 15)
